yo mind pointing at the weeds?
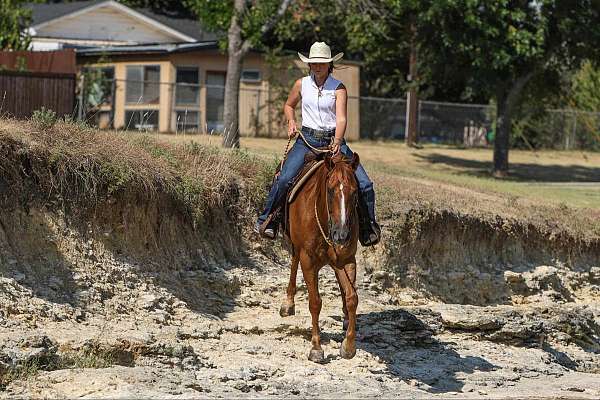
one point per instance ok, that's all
(24, 371)
(84, 167)
(86, 358)
(44, 118)
(89, 357)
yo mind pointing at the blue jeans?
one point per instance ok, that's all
(293, 164)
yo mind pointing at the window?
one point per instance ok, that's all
(187, 89)
(250, 75)
(215, 100)
(98, 85)
(141, 119)
(187, 121)
(143, 84)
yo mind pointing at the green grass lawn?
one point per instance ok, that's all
(548, 177)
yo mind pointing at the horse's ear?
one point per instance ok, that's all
(355, 161)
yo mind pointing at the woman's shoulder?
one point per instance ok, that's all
(334, 84)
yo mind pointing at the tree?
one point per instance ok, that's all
(172, 8)
(504, 44)
(14, 21)
(247, 24)
(494, 48)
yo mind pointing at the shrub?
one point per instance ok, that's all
(44, 118)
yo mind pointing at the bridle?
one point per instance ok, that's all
(327, 237)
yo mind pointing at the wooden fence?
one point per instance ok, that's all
(21, 93)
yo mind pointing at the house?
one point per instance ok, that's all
(160, 72)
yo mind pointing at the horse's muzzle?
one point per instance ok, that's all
(340, 234)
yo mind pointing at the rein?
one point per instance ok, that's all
(326, 237)
(287, 147)
(316, 150)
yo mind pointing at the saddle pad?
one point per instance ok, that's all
(298, 185)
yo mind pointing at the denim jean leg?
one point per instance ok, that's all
(291, 167)
(364, 182)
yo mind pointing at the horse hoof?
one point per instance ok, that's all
(345, 324)
(345, 353)
(286, 310)
(316, 355)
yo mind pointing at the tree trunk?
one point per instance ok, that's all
(231, 133)
(502, 140)
(411, 134)
(235, 56)
(237, 48)
(506, 100)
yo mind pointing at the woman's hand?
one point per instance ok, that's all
(335, 149)
(335, 146)
(292, 128)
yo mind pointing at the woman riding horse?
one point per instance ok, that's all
(324, 100)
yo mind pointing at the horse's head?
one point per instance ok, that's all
(342, 196)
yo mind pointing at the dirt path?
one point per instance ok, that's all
(169, 349)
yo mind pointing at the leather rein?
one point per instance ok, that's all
(326, 237)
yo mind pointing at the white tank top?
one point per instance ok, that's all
(318, 112)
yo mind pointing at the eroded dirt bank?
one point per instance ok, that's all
(135, 303)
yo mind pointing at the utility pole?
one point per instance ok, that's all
(412, 99)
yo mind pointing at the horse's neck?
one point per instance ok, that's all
(319, 180)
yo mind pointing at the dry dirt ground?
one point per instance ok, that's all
(128, 301)
(229, 341)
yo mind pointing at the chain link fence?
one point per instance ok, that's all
(198, 108)
(558, 129)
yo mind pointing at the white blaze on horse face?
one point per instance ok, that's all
(343, 205)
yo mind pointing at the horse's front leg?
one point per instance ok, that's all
(289, 307)
(347, 279)
(311, 273)
(344, 308)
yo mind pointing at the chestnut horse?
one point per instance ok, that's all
(323, 229)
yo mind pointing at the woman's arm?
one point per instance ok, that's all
(290, 107)
(341, 99)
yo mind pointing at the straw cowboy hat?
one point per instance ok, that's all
(320, 53)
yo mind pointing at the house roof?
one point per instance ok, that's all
(43, 13)
(162, 48)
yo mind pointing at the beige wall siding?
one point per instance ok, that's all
(261, 102)
(120, 75)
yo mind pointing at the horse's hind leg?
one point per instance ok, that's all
(347, 278)
(289, 307)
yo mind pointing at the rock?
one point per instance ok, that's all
(38, 349)
(161, 316)
(519, 331)
(149, 301)
(381, 275)
(375, 287)
(469, 319)
(573, 389)
(19, 277)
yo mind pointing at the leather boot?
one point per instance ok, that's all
(369, 232)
